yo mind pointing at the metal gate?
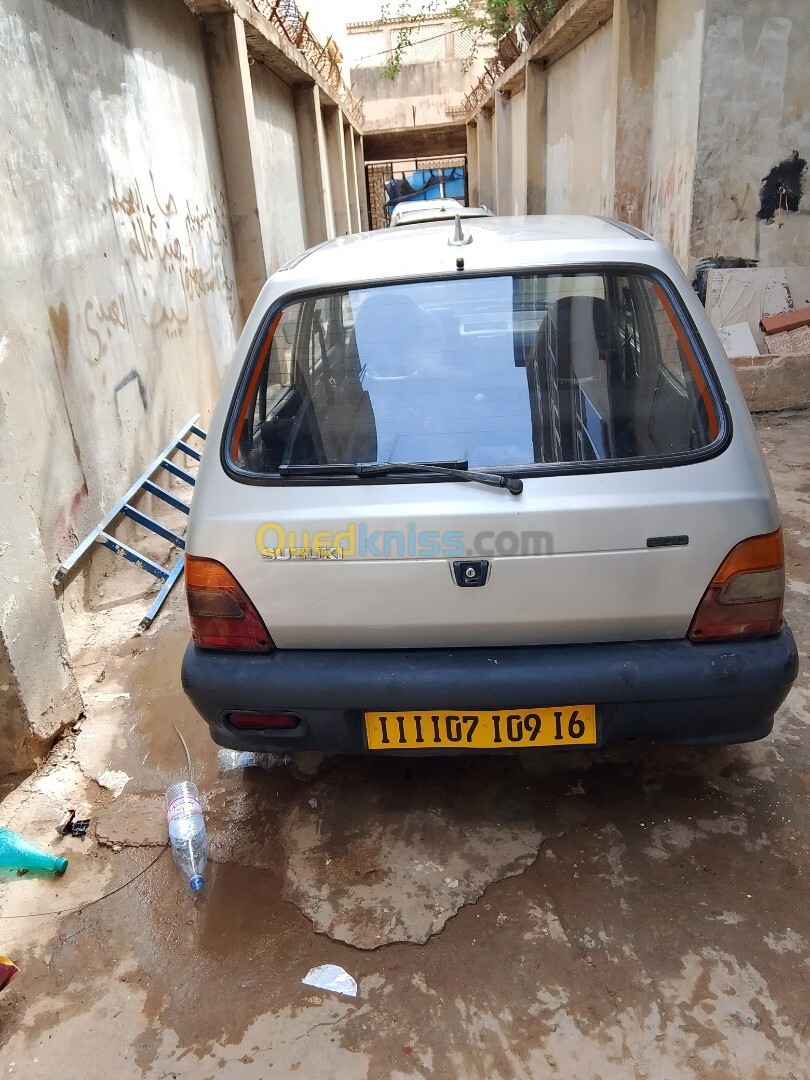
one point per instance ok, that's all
(391, 182)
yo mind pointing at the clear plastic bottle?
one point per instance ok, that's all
(187, 833)
(227, 760)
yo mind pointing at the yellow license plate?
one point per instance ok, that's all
(564, 725)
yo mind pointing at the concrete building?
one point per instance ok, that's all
(438, 68)
(687, 118)
(161, 159)
(420, 113)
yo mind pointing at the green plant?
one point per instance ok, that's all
(487, 20)
(409, 24)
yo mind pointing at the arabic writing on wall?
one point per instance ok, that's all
(173, 258)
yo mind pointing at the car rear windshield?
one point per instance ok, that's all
(502, 372)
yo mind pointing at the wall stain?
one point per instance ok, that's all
(132, 376)
(65, 535)
(60, 324)
(782, 188)
(62, 530)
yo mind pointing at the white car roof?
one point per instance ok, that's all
(417, 204)
(498, 244)
(434, 210)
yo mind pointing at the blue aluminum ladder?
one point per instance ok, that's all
(124, 506)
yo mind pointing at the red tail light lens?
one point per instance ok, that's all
(262, 721)
(221, 613)
(746, 595)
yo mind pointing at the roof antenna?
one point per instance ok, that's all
(458, 238)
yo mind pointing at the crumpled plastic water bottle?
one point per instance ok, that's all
(187, 834)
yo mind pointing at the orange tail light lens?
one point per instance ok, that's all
(746, 595)
(222, 614)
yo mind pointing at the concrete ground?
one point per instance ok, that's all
(633, 913)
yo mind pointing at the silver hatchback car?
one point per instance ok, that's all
(484, 487)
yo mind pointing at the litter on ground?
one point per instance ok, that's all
(331, 977)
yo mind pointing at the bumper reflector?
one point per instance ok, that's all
(262, 721)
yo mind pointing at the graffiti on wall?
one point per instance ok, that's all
(168, 258)
(156, 266)
(173, 257)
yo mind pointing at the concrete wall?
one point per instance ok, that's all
(754, 114)
(336, 159)
(581, 122)
(676, 99)
(502, 154)
(519, 160)
(485, 170)
(420, 94)
(535, 89)
(634, 25)
(319, 217)
(13, 719)
(282, 188)
(360, 167)
(119, 300)
(673, 115)
(151, 180)
(38, 691)
(562, 104)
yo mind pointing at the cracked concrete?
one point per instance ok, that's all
(380, 864)
(656, 923)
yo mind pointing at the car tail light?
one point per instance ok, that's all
(221, 613)
(261, 721)
(746, 595)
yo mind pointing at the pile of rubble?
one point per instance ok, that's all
(762, 317)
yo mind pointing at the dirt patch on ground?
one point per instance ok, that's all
(393, 860)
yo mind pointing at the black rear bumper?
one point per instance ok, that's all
(661, 691)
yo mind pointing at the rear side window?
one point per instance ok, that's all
(507, 372)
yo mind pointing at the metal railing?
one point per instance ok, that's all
(284, 14)
(510, 48)
(480, 92)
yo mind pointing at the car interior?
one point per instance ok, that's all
(496, 372)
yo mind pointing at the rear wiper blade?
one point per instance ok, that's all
(385, 468)
(328, 468)
(453, 470)
(349, 468)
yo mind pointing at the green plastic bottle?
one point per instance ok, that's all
(17, 854)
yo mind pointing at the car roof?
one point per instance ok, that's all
(435, 210)
(420, 204)
(493, 244)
